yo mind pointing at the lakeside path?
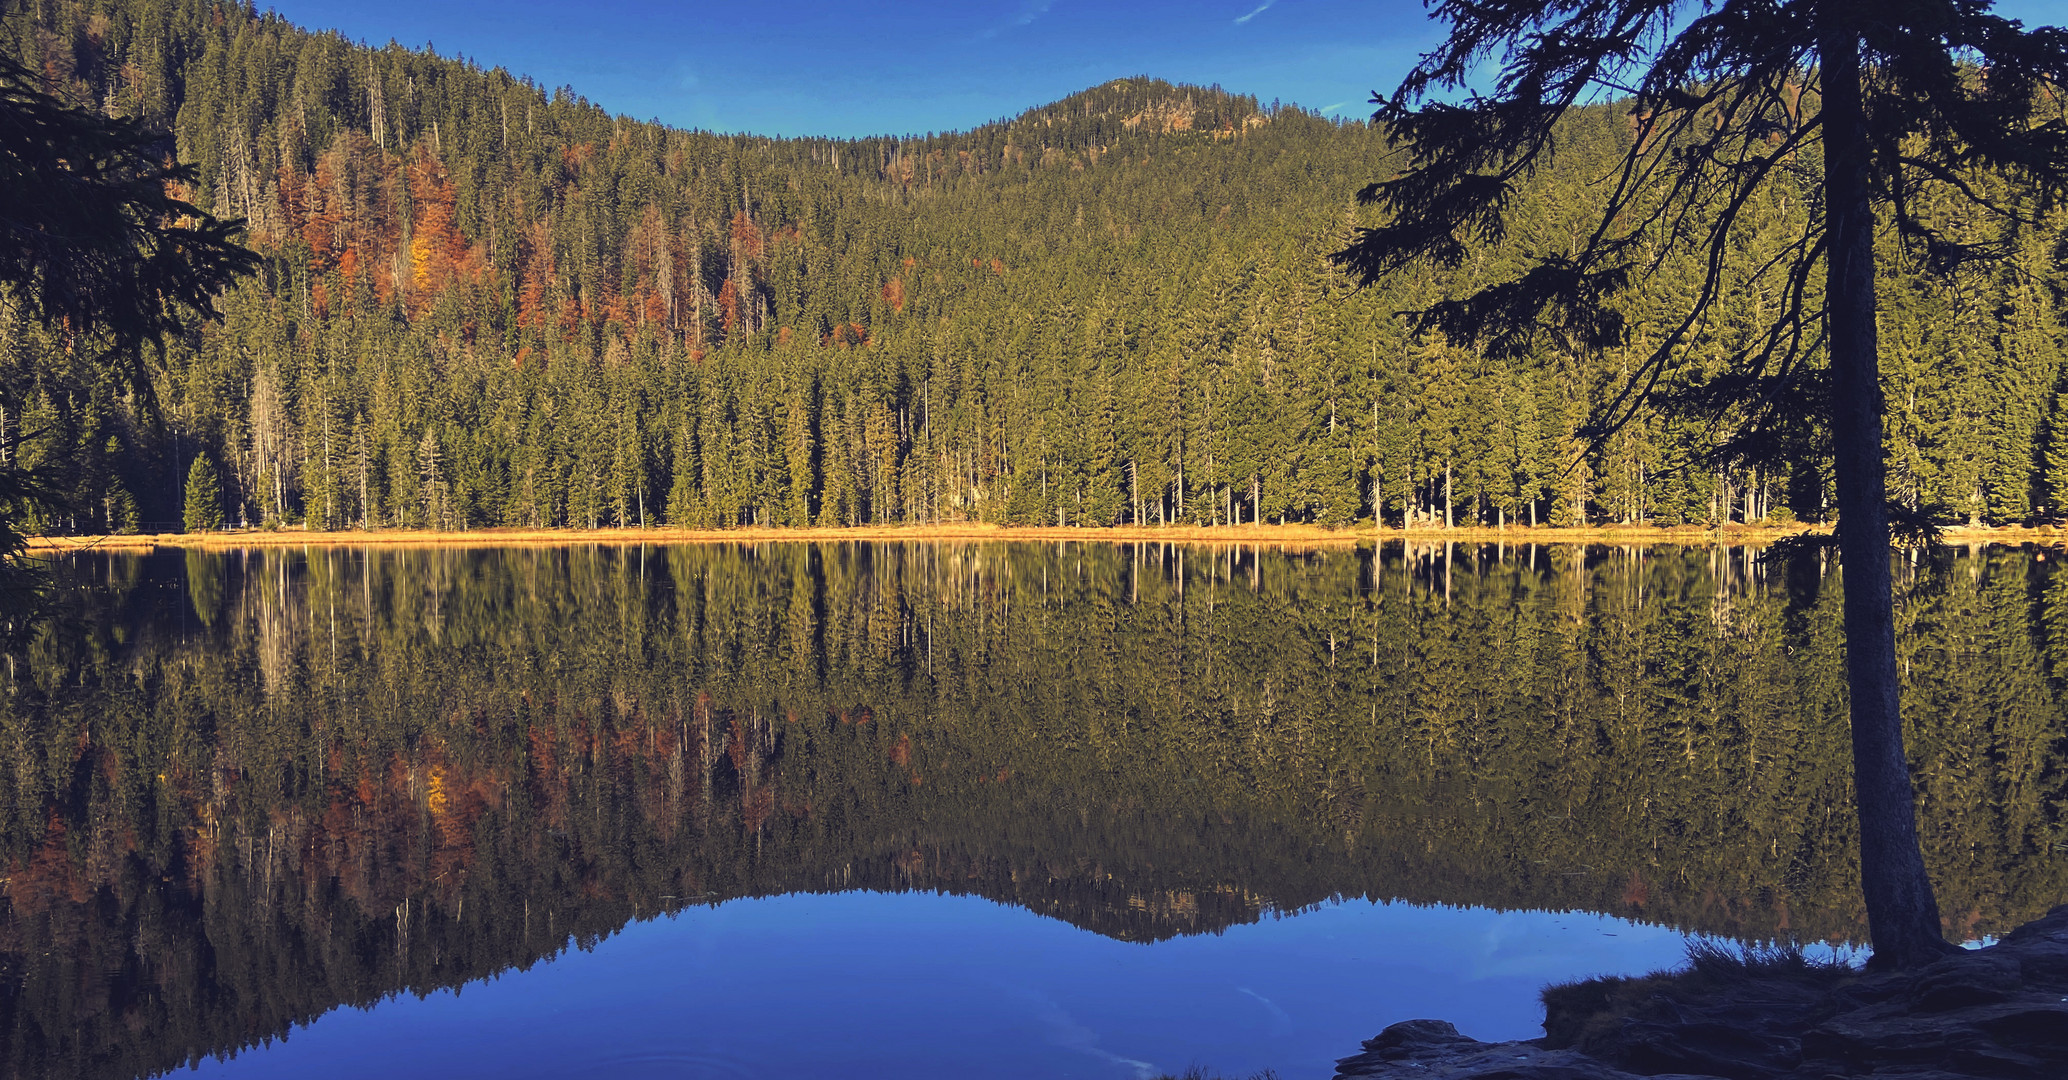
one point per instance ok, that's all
(1283, 536)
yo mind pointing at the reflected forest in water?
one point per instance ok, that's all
(243, 789)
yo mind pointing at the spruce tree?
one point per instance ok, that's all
(204, 502)
(2057, 458)
(94, 240)
(1893, 106)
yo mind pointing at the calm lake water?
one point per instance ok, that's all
(796, 810)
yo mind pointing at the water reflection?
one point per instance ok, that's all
(917, 984)
(242, 790)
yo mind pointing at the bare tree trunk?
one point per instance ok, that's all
(1902, 915)
(1446, 496)
(1134, 490)
(1413, 500)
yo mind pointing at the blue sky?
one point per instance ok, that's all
(813, 67)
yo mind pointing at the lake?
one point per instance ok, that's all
(997, 809)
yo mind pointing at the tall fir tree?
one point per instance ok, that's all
(204, 497)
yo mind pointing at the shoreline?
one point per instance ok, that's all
(1283, 536)
(1769, 1014)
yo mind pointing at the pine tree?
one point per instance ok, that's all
(118, 511)
(204, 500)
(2057, 457)
(800, 449)
(1901, 117)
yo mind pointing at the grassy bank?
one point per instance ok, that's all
(1271, 535)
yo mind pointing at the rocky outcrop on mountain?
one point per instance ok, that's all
(2000, 1012)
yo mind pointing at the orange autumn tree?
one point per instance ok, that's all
(650, 270)
(737, 297)
(438, 252)
(534, 308)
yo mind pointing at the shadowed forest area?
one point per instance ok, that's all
(246, 788)
(487, 303)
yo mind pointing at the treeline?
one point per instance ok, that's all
(246, 788)
(486, 303)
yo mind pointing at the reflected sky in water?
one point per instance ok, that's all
(919, 984)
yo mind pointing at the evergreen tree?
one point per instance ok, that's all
(1720, 106)
(95, 239)
(204, 498)
(2056, 456)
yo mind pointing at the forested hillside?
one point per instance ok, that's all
(485, 303)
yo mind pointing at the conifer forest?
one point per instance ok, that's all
(487, 303)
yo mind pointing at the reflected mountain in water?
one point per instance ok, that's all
(241, 790)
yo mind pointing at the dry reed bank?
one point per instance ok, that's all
(1274, 535)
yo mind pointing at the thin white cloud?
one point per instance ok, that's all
(1326, 109)
(1261, 8)
(1280, 1022)
(1030, 10)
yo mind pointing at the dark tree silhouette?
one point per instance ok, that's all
(93, 234)
(96, 241)
(1890, 104)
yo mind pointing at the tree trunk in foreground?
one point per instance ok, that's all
(1902, 915)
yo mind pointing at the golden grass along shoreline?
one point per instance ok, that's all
(1270, 535)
